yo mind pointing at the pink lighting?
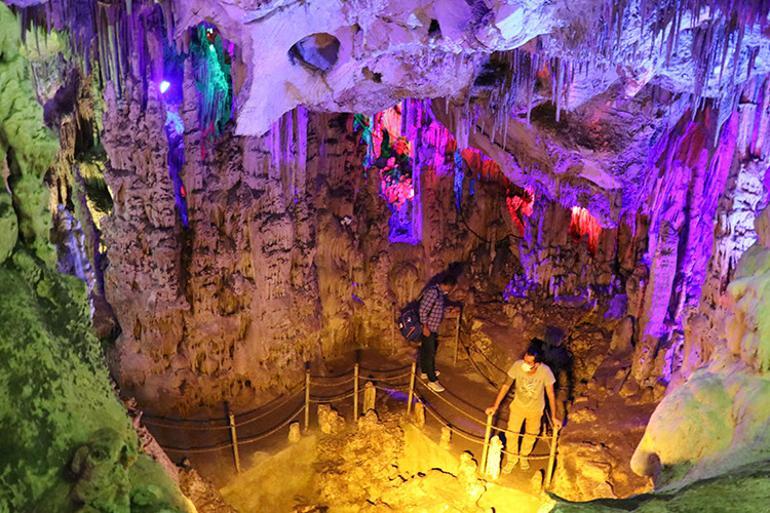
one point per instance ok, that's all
(519, 206)
(583, 223)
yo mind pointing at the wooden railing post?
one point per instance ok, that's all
(355, 391)
(551, 458)
(457, 335)
(307, 396)
(485, 449)
(411, 389)
(234, 439)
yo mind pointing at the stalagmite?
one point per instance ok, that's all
(446, 437)
(494, 458)
(536, 481)
(370, 396)
(294, 432)
(419, 414)
(329, 420)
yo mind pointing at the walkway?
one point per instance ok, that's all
(209, 446)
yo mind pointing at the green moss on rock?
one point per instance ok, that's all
(27, 145)
(55, 394)
(9, 227)
(743, 490)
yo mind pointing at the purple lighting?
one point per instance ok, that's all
(164, 85)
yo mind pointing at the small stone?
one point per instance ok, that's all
(294, 432)
(329, 421)
(370, 396)
(536, 482)
(419, 414)
(446, 437)
(369, 420)
(467, 468)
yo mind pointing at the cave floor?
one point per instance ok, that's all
(599, 416)
(272, 464)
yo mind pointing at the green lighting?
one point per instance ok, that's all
(213, 80)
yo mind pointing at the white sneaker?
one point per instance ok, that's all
(436, 386)
(524, 464)
(424, 376)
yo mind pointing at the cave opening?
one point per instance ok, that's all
(456, 256)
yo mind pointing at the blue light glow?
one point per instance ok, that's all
(164, 85)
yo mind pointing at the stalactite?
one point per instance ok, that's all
(211, 69)
(459, 179)
(583, 223)
(520, 205)
(275, 148)
(174, 129)
(301, 150)
(729, 20)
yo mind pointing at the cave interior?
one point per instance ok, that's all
(214, 214)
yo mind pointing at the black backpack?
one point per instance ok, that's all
(408, 321)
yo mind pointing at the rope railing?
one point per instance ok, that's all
(477, 439)
(473, 418)
(274, 430)
(197, 450)
(228, 445)
(400, 388)
(177, 420)
(317, 383)
(387, 379)
(507, 432)
(332, 398)
(152, 422)
(489, 361)
(456, 408)
(392, 381)
(210, 423)
(441, 420)
(405, 369)
(268, 412)
(536, 457)
(550, 440)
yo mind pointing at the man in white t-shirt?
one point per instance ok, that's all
(533, 381)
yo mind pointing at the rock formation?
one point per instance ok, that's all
(248, 186)
(720, 408)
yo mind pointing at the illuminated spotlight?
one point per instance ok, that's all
(164, 85)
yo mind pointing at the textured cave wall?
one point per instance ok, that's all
(593, 155)
(55, 395)
(286, 257)
(26, 150)
(718, 393)
(68, 443)
(271, 273)
(389, 50)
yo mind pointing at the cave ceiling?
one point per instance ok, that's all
(571, 91)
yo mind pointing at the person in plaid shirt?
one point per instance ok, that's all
(432, 305)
